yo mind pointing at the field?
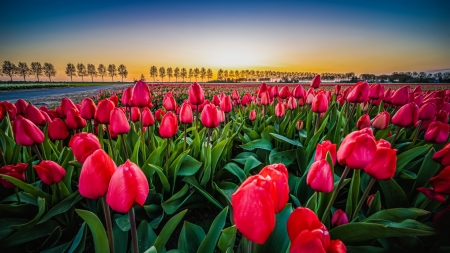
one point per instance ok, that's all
(228, 168)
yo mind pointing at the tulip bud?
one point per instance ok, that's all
(169, 125)
(196, 94)
(10, 108)
(437, 132)
(265, 99)
(50, 172)
(66, 105)
(280, 110)
(21, 106)
(320, 177)
(16, 171)
(284, 92)
(427, 111)
(278, 175)
(298, 92)
(169, 102)
(363, 122)
(431, 194)
(159, 114)
(387, 96)
(135, 114)
(376, 91)
(74, 120)
(357, 149)
(370, 200)
(140, 94)
(128, 187)
(26, 133)
(102, 115)
(246, 99)
(274, 92)
(186, 116)
(226, 105)
(315, 83)
(441, 182)
(381, 121)
(127, 96)
(292, 104)
(88, 109)
(443, 156)
(322, 150)
(337, 89)
(359, 93)
(83, 145)
(383, 164)
(147, 117)
(252, 115)
(34, 115)
(400, 97)
(96, 174)
(339, 218)
(235, 95)
(442, 116)
(119, 123)
(210, 116)
(299, 125)
(57, 130)
(320, 103)
(406, 116)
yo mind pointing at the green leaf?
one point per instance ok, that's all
(286, 157)
(27, 187)
(5, 229)
(382, 134)
(315, 139)
(192, 181)
(252, 134)
(62, 206)
(189, 166)
(404, 158)
(284, 139)
(172, 205)
(393, 194)
(26, 235)
(366, 249)
(353, 193)
(79, 241)
(210, 241)
(235, 170)
(123, 222)
(162, 177)
(98, 232)
(278, 240)
(250, 164)
(167, 231)
(216, 152)
(427, 170)
(227, 239)
(226, 189)
(134, 155)
(31, 223)
(120, 238)
(352, 233)
(146, 236)
(375, 204)
(243, 156)
(397, 214)
(190, 238)
(259, 143)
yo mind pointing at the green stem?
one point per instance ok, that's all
(110, 143)
(335, 193)
(134, 238)
(109, 229)
(2, 156)
(32, 172)
(396, 136)
(425, 203)
(317, 123)
(184, 147)
(416, 134)
(364, 196)
(144, 155)
(16, 189)
(250, 246)
(209, 136)
(60, 144)
(352, 111)
(196, 119)
(36, 149)
(124, 146)
(167, 155)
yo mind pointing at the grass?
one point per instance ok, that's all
(38, 85)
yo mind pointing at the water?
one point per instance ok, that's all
(39, 93)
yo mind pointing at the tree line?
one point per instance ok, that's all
(37, 70)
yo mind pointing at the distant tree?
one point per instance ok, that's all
(153, 72)
(196, 73)
(169, 73)
(101, 70)
(236, 74)
(183, 73)
(202, 73)
(225, 75)
(81, 71)
(91, 71)
(123, 72)
(112, 71)
(71, 71)
(142, 77)
(209, 74)
(49, 70)
(9, 69)
(176, 74)
(162, 73)
(36, 70)
(231, 75)
(191, 74)
(23, 70)
(220, 74)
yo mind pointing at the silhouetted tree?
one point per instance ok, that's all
(71, 71)
(231, 74)
(91, 71)
(209, 74)
(9, 69)
(183, 73)
(123, 72)
(220, 74)
(23, 70)
(162, 73)
(153, 72)
(202, 73)
(142, 77)
(112, 71)
(81, 71)
(169, 73)
(36, 70)
(191, 74)
(101, 70)
(176, 74)
(225, 75)
(196, 73)
(49, 70)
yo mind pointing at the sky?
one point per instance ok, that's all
(314, 36)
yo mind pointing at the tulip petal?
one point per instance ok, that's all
(306, 242)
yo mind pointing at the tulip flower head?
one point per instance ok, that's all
(16, 171)
(83, 145)
(196, 94)
(88, 109)
(443, 156)
(363, 122)
(320, 177)
(323, 148)
(437, 132)
(384, 162)
(357, 149)
(441, 182)
(315, 83)
(50, 172)
(252, 115)
(102, 115)
(95, 174)
(140, 95)
(169, 125)
(26, 133)
(210, 116)
(381, 121)
(57, 130)
(406, 116)
(339, 218)
(118, 122)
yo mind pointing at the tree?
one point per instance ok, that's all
(162, 73)
(176, 74)
(196, 73)
(101, 70)
(202, 73)
(82, 71)
(91, 71)
(209, 74)
(153, 72)
(183, 73)
(123, 72)
(49, 70)
(169, 73)
(9, 69)
(142, 77)
(191, 74)
(231, 75)
(23, 70)
(225, 75)
(36, 69)
(220, 74)
(236, 74)
(70, 70)
(112, 71)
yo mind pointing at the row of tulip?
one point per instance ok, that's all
(279, 159)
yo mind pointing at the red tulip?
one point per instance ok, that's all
(57, 130)
(284, 92)
(400, 96)
(140, 94)
(322, 150)
(210, 116)
(119, 123)
(320, 177)
(381, 121)
(135, 114)
(280, 110)
(253, 208)
(235, 95)
(441, 182)
(74, 120)
(115, 100)
(315, 83)
(50, 172)
(196, 94)
(274, 92)
(384, 163)
(299, 125)
(357, 149)
(225, 104)
(246, 99)
(147, 117)
(262, 89)
(406, 116)
(159, 114)
(83, 145)
(339, 218)
(298, 92)
(320, 103)
(186, 116)
(128, 187)
(26, 133)
(347, 91)
(376, 91)
(252, 115)
(388, 95)
(88, 109)
(169, 125)
(437, 132)
(10, 108)
(278, 175)
(46, 117)
(169, 102)
(16, 171)
(359, 93)
(102, 115)
(21, 106)
(442, 116)
(443, 156)
(96, 174)
(66, 105)
(291, 104)
(308, 234)
(34, 115)
(216, 100)
(265, 99)
(431, 194)
(127, 96)
(363, 122)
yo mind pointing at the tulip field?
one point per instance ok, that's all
(229, 168)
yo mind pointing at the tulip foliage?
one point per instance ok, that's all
(238, 168)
